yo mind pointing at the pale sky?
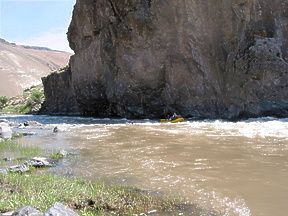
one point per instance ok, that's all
(36, 22)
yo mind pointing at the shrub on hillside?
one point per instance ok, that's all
(37, 96)
(3, 101)
(29, 102)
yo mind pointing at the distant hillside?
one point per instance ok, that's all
(23, 66)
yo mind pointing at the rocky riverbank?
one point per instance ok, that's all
(27, 166)
(11, 130)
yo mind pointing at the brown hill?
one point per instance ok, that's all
(23, 66)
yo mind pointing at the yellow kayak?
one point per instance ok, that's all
(173, 121)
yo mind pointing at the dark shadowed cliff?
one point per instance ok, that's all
(144, 58)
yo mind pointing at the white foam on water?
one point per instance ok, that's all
(257, 128)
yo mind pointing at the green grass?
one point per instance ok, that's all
(19, 152)
(20, 109)
(3, 101)
(11, 148)
(42, 190)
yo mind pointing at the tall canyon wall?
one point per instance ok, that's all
(201, 58)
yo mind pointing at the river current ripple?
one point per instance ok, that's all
(238, 168)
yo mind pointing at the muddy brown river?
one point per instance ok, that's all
(236, 168)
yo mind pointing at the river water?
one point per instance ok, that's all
(237, 168)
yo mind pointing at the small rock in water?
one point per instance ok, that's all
(28, 133)
(3, 120)
(26, 124)
(60, 128)
(62, 153)
(55, 130)
(31, 123)
(14, 124)
(40, 162)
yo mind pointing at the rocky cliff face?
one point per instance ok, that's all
(144, 58)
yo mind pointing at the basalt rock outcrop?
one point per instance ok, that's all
(144, 58)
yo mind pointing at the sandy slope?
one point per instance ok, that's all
(21, 67)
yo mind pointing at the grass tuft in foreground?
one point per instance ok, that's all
(42, 190)
(11, 148)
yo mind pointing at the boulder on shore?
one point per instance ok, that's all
(59, 209)
(19, 168)
(5, 131)
(40, 162)
(27, 211)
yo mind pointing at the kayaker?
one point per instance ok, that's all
(174, 117)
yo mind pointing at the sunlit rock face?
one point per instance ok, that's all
(145, 58)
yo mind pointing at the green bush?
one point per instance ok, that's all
(27, 101)
(37, 97)
(18, 109)
(3, 101)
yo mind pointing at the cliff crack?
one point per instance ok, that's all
(116, 14)
(149, 3)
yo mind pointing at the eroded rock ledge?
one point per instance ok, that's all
(144, 58)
